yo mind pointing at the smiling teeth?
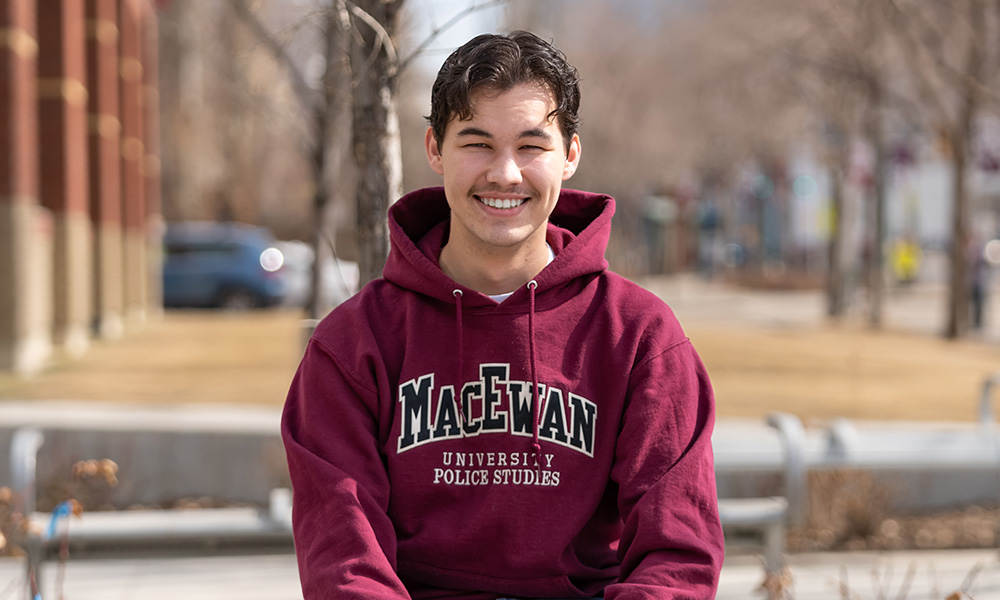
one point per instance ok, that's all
(497, 203)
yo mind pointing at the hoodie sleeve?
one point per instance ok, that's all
(671, 545)
(344, 540)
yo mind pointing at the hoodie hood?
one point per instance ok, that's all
(578, 231)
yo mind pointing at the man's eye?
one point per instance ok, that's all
(476, 145)
(535, 148)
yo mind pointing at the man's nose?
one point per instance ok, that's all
(504, 170)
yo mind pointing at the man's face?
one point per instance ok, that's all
(503, 169)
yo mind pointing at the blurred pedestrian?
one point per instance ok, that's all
(500, 415)
(905, 259)
(979, 271)
(708, 222)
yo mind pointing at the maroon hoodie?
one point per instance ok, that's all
(422, 468)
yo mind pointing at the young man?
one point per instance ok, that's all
(500, 415)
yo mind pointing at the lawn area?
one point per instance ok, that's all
(187, 356)
(814, 370)
(855, 373)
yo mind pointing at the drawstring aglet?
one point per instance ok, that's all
(536, 450)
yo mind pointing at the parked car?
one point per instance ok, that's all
(338, 278)
(221, 265)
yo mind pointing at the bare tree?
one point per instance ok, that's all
(863, 59)
(950, 49)
(843, 70)
(330, 112)
(731, 106)
(240, 166)
(361, 69)
(377, 152)
(894, 59)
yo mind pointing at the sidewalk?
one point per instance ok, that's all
(872, 576)
(867, 576)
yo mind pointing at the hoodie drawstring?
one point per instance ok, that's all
(459, 402)
(536, 408)
(535, 395)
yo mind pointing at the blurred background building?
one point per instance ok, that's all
(79, 174)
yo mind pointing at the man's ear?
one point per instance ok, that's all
(572, 157)
(433, 152)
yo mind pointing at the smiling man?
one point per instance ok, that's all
(500, 415)
(503, 167)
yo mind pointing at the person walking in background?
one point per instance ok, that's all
(500, 415)
(978, 282)
(906, 256)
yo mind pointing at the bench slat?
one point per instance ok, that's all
(752, 511)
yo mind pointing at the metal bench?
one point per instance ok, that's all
(132, 532)
(769, 516)
(915, 449)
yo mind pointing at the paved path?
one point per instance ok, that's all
(813, 577)
(214, 578)
(919, 308)
(870, 576)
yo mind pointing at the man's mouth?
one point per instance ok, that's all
(501, 203)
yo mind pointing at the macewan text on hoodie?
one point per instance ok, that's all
(423, 467)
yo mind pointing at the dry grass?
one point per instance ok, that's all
(855, 373)
(815, 372)
(187, 356)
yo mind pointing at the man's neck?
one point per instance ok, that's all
(496, 272)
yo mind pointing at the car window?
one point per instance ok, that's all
(201, 250)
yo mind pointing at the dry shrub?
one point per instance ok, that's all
(852, 510)
(91, 485)
(846, 508)
(849, 502)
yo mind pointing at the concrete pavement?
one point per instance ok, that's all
(821, 576)
(269, 577)
(918, 308)
(870, 576)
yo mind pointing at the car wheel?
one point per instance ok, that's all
(238, 299)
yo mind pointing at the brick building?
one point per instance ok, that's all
(79, 175)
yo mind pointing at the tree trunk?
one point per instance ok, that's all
(326, 115)
(321, 122)
(959, 288)
(876, 266)
(376, 140)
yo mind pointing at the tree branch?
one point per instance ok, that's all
(383, 39)
(303, 92)
(934, 59)
(436, 33)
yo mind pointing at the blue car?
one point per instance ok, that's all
(221, 265)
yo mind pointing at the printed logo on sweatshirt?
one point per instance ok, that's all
(567, 419)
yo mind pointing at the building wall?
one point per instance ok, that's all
(73, 247)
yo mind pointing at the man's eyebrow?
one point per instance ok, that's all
(474, 131)
(537, 132)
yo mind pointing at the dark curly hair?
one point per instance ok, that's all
(501, 62)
